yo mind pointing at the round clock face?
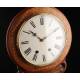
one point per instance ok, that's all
(41, 39)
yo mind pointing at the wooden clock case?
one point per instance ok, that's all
(11, 41)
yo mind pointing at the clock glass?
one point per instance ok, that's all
(41, 39)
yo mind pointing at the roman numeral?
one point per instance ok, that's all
(32, 23)
(52, 54)
(57, 46)
(44, 58)
(27, 51)
(42, 20)
(35, 57)
(56, 29)
(25, 42)
(59, 37)
(26, 32)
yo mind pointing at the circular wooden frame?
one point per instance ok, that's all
(11, 36)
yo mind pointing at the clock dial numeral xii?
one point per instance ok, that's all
(42, 20)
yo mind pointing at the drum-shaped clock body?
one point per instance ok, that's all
(38, 39)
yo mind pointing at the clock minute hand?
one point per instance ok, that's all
(34, 34)
(50, 33)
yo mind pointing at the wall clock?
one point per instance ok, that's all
(38, 40)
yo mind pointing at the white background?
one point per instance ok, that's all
(40, 76)
(38, 3)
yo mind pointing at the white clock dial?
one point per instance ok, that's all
(41, 39)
